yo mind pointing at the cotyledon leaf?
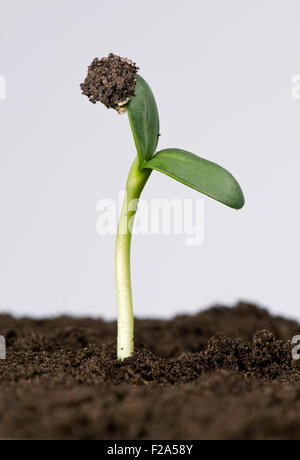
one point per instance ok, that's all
(144, 120)
(200, 174)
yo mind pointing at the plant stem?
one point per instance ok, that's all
(136, 181)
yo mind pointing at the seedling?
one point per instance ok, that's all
(114, 82)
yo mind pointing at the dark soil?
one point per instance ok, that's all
(221, 374)
(110, 80)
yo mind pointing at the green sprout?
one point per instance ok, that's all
(114, 82)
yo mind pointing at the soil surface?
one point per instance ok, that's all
(220, 374)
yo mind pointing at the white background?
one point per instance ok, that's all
(221, 73)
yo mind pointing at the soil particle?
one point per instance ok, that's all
(221, 374)
(110, 80)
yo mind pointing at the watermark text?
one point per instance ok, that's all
(295, 91)
(2, 347)
(2, 88)
(154, 217)
(296, 349)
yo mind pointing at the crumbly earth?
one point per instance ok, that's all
(110, 80)
(221, 374)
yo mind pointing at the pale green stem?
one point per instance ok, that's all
(136, 181)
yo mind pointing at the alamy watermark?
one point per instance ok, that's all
(2, 347)
(295, 91)
(155, 217)
(2, 88)
(296, 349)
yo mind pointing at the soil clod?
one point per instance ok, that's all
(110, 80)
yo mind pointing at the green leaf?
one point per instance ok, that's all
(202, 175)
(144, 121)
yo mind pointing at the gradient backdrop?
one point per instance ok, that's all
(221, 72)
